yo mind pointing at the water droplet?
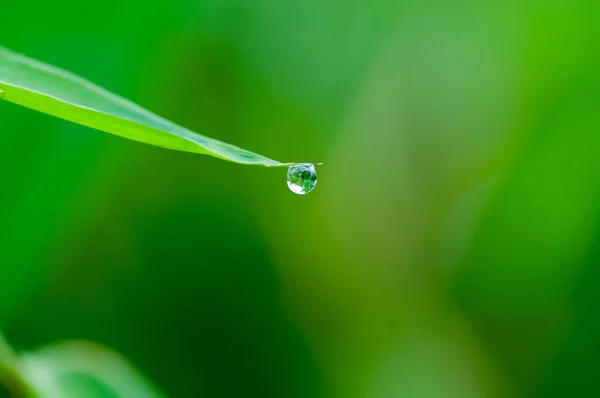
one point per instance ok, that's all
(2, 93)
(302, 178)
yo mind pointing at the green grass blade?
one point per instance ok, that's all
(51, 90)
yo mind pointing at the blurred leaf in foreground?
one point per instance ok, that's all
(82, 370)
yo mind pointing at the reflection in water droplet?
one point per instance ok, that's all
(2, 93)
(302, 178)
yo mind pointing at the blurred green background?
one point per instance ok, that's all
(450, 249)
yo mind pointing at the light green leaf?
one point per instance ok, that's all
(82, 370)
(50, 90)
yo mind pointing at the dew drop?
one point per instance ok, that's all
(302, 178)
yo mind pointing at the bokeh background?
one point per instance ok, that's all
(450, 249)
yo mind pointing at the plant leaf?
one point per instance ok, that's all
(50, 90)
(82, 370)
